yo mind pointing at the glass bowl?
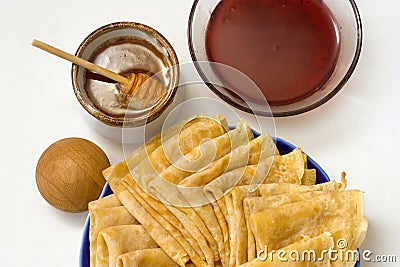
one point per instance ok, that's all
(349, 30)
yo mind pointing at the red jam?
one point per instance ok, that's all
(289, 48)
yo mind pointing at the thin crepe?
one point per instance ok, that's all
(145, 258)
(246, 154)
(254, 205)
(205, 220)
(160, 235)
(309, 177)
(206, 213)
(182, 143)
(104, 213)
(340, 213)
(132, 160)
(187, 245)
(288, 168)
(209, 151)
(196, 244)
(116, 240)
(237, 224)
(198, 222)
(273, 169)
(150, 168)
(121, 169)
(282, 189)
(281, 171)
(293, 254)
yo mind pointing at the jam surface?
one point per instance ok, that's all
(289, 48)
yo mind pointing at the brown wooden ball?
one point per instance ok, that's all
(68, 174)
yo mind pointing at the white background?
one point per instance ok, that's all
(357, 131)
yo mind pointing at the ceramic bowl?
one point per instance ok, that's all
(110, 126)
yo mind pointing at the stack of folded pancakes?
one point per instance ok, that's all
(199, 194)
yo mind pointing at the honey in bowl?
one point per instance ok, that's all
(125, 55)
(141, 50)
(289, 48)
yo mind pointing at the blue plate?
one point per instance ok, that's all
(283, 146)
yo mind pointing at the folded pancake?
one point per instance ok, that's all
(199, 232)
(285, 169)
(222, 221)
(272, 169)
(150, 167)
(182, 143)
(225, 232)
(157, 231)
(207, 152)
(154, 257)
(253, 205)
(237, 224)
(340, 213)
(104, 213)
(121, 169)
(215, 191)
(309, 177)
(109, 201)
(186, 241)
(195, 219)
(206, 213)
(305, 158)
(203, 217)
(282, 189)
(288, 168)
(246, 154)
(184, 231)
(237, 177)
(275, 169)
(308, 252)
(116, 240)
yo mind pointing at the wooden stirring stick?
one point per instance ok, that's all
(131, 84)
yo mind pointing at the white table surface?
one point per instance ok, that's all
(357, 131)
